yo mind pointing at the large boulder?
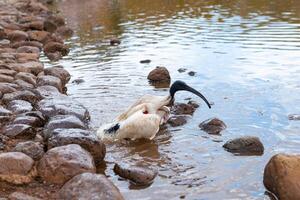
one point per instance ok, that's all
(246, 145)
(90, 186)
(62, 163)
(282, 175)
(159, 74)
(16, 168)
(84, 138)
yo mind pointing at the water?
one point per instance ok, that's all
(246, 58)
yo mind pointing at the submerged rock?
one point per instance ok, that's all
(145, 61)
(177, 120)
(282, 175)
(213, 126)
(52, 47)
(115, 41)
(294, 117)
(84, 138)
(34, 150)
(62, 163)
(59, 72)
(191, 73)
(138, 175)
(16, 168)
(247, 145)
(90, 186)
(183, 109)
(159, 74)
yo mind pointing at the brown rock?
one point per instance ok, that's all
(138, 175)
(34, 25)
(65, 122)
(6, 78)
(282, 175)
(60, 164)
(246, 145)
(50, 26)
(177, 120)
(5, 115)
(50, 80)
(28, 49)
(159, 74)
(64, 32)
(23, 84)
(84, 138)
(20, 95)
(54, 56)
(59, 72)
(27, 57)
(52, 47)
(28, 43)
(21, 196)
(40, 36)
(183, 109)
(7, 88)
(18, 131)
(47, 91)
(28, 77)
(31, 67)
(34, 150)
(19, 106)
(17, 36)
(212, 126)
(7, 72)
(28, 120)
(16, 168)
(57, 20)
(90, 186)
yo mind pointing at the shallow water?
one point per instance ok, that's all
(246, 58)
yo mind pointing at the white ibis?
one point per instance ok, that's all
(143, 118)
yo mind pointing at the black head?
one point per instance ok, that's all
(180, 85)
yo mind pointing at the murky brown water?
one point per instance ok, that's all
(246, 55)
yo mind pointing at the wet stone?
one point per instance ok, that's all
(52, 47)
(8, 72)
(28, 77)
(90, 186)
(212, 126)
(31, 67)
(50, 26)
(23, 84)
(78, 81)
(183, 109)
(159, 74)
(54, 56)
(64, 31)
(294, 117)
(115, 41)
(63, 105)
(59, 72)
(138, 175)
(16, 167)
(84, 138)
(177, 120)
(16, 36)
(34, 25)
(246, 145)
(20, 95)
(37, 114)
(60, 164)
(18, 131)
(6, 79)
(7, 88)
(28, 120)
(191, 73)
(282, 175)
(47, 91)
(27, 43)
(21, 196)
(40, 36)
(145, 61)
(19, 106)
(181, 70)
(28, 49)
(27, 57)
(50, 80)
(34, 150)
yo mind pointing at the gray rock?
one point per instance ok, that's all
(62, 163)
(47, 91)
(8, 87)
(18, 131)
(294, 117)
(19, 106)
(90, 186)
(84, 138)
(246, 145)
(28, 120)
(50, 80)
(28, 77)
(59, 72)
(64, 121)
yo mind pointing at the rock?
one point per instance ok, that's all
(5, 115)
(50, 80)
(191, 73)
(31, 67)
(8, 72)
(34, 150)
(23, 84)
(36, 114)
(177, 120)
(28, 77)
(84, 138)
(181, 70)
(21, 196)
(50, 26)
(183, 109)
(212, 126)
(40, 36)
(62, 105)
(159, 74)
(34, 25)
(47, 91)
(145, 61)
(78, 81)
(64, 121)
(246, 145)
(28, 120)
(90, 186)
(294, 117)
(17, 36)
(58, 72)
(54, 56)
(60, 164)
(138, 175)
(20, 95)
(282, 175)
(57, 20)
(28, 49)
(52, 47)
(115, 41)
(27, 57)
(16, 168)
(7, 88)
(6, 78)
(18, 131)
(27, 43)
(19, 106)
(64, 32)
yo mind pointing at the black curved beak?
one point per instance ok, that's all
(180, 85)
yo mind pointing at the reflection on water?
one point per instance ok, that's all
(246, 58)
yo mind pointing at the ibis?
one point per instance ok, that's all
(144, 117)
